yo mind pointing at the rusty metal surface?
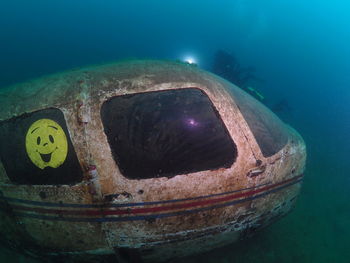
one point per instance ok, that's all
(199, 215)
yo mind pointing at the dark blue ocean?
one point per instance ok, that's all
(300, 51)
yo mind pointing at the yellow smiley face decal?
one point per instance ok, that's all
(46, 144)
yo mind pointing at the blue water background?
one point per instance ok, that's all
(301, 49)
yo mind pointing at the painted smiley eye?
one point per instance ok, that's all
(38, 140)
(51, 139)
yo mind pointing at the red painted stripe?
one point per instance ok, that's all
(128, 211)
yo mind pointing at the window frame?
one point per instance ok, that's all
(192, 87)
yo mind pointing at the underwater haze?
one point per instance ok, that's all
(300, 53)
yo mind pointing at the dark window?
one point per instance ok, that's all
(35, 148)
(269, 131)
(166, 133)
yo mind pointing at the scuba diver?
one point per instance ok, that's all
(227, 66)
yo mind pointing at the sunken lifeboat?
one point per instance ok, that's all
(140, 159)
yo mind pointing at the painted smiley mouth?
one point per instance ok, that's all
(47, 157)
